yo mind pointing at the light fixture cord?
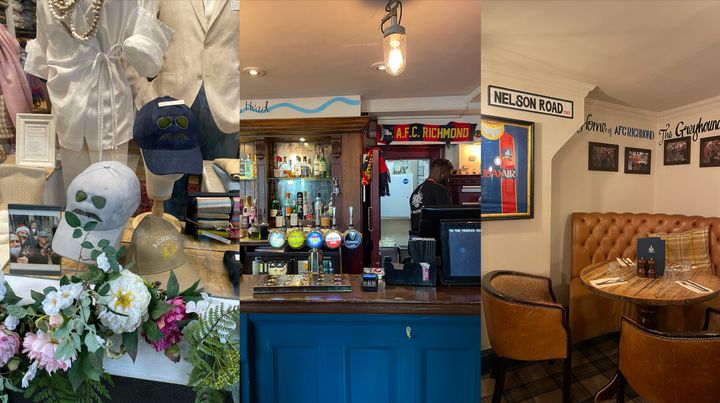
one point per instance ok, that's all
(391, 8)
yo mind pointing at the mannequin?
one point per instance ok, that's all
(159, 189)
(89, 72)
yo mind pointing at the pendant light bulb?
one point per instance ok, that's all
(395, 56)
(394, 51)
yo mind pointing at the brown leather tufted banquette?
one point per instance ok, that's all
(598, 237)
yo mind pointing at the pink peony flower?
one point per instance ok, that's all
(9, 345)
(174, 315)
(41, 348)
(168, 325)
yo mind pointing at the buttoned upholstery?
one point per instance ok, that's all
(669, 367)
(599, 237)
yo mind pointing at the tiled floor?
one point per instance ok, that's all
(594, 363)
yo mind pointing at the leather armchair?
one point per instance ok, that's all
(669, 367)
(524, 322)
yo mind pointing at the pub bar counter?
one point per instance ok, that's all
(397, 344)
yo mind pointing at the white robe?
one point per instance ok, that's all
(88, 81)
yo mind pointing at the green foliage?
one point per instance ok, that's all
(172, 286)
(77, 233)
(90, 225)
(130, 343)
(72, 219)
(57, 389)
(215, 351)
(204, 394)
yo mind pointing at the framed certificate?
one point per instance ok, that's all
(35, 140)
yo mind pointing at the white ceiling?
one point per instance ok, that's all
(321, 48)
(655, 55)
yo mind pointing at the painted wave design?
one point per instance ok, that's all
(320, 108)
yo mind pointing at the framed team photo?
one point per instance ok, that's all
(710, 152)
(506, 162)
(637, 160)
(603, 157)
(31, 232)
(676, 151)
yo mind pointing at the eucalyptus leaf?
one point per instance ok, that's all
(91, 342)
(130, 342)
(65, 350)
(48, 290)
(109, 250)
(172, 286)
(103, 290)
(16, 311)
(87, 245)
(95, 253)
(64, 330)
(77, 233)
(103, 243)
(64, 280)
(75, 376)
(90, 225)
(72, 219)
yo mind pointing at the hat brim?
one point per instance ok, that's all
(65, 245)
(166, 162)
(186, 276)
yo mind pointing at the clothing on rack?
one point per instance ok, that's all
(16, 94)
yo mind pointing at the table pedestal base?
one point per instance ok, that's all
(647, 315)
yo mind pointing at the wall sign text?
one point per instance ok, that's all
(529, 102)
(597, 126)
(453, 132)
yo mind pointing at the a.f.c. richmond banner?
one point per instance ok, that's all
(453, 132)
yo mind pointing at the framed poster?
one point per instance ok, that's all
(710, 152)
(35, 140)
(31, 232)
(676, 151)
(637, 160)
(506, 168)
(603, 157)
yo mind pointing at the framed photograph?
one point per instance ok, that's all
(676, 151)
(506, 168)
(35, 140)
(603, 157)
(710, 152)
(31, 232)
(637, 161)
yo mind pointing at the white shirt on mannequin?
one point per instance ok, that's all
(209, 7)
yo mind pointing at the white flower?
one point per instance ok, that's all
(51, 303)
(11, 322)
(128, 296)
(29, 375)
(73, 289)
(198, 307)
(103, 263)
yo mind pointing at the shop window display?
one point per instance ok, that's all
(145, 97)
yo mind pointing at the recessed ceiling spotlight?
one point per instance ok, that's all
(302, 139)
(378, 66)
(254, 71)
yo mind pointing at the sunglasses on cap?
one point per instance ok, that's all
(167, 121)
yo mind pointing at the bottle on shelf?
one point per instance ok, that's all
(286, 167)
(300, 201)
(318, 209)
(277, 170)
(288, 210)
(316, 166)
(247, 162)
(298, 167)
(323, 166)
(305, 169)
(242, 167)
(253, 166)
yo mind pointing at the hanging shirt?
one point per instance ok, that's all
(503, 149)
(87, 81)
(15, 88)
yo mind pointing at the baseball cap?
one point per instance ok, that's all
(157, 248)
(108, 193)
(166, 131)
(43, 234)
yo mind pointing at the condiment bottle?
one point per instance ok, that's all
(651, 268)
(641, 267)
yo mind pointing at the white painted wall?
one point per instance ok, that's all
(525, 245)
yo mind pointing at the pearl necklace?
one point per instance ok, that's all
(61, 10)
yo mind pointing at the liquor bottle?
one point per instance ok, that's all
(288, 209)
(286, 167)
(274, 206)
(300, 209)
(248, 166)
(242, 167)
(298, 167)
(305, 168)
(253, 166)
(323, 166)
(318, 208)
(277, 171)
(316, 166)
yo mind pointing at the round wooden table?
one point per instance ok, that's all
(648, 295)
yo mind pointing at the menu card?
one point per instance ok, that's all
(652, 248)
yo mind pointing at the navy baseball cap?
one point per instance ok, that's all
(166, 131)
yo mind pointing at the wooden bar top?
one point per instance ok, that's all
(389, 299)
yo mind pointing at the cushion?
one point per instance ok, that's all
(688, 247)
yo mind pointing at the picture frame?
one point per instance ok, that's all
(35, 138)
(31, 231)
(506, 168)
(638, 160)
(709, 152)
(603, 157)
(677, 151)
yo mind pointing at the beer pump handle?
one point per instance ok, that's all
(334, 222)
(351, 216)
